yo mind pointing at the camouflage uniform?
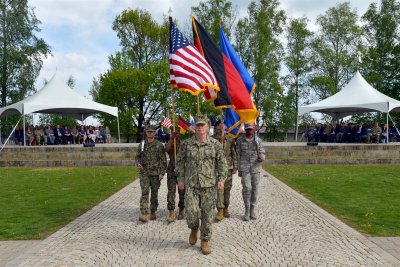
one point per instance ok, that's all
(154, 163)
(223, 196)
(249, 166)
(200, 165)
(172, 182)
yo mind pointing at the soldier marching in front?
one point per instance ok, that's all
(172, 180)
(152, 163)
(201, 167)
(223, 196)
(250, 157)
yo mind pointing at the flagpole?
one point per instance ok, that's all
(198, 105)
(173, 120)
(223, 129)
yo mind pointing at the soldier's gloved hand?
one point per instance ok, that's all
(220, 185)
(161, 176)
(240, 174)
(181, 186)
(260, 159)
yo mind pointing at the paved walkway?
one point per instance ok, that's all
(290, 231)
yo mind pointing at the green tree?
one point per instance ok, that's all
(137, 81)
(212, 13)
(335, 50)
(21, 51)
(298, 64)
(381, 60)
(259, 46)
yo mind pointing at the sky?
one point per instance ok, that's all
(81, 39)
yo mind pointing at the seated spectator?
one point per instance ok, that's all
(82, 134)
(394, 134)
(18, 135)
(375, 134)
(39, 136)
(107, 134)
(364, 133)
(59, 135)
(67, 135)
(91, 136)
(49, 133)
(99, 136)
(30, 135)
(326, 133)
(75, 135)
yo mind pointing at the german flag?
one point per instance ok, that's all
(183, 125)
(233, 92)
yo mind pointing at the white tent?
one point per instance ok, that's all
(56, 97)
(358, 96)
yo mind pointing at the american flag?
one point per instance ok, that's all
(189, 71)
(167, 123)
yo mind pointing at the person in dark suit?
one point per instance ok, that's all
(59, 135)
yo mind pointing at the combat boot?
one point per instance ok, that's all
(171, 216)
(220, 215)
(246, 216)
(226, 212)
(193, 236)
(205, 247)
(253, 212)
(181, 213)
(143, 218)
(153, 215)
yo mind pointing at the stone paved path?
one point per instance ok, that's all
(290, 231)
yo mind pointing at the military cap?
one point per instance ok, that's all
(248, 126)
(201, 119)
(150, 128)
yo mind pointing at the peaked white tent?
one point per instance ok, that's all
(358, 96)
(56, 97)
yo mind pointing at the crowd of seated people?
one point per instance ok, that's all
(57, 135)
(351, 133)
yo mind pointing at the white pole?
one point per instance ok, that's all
(387, 127)
(23, 125)
(119, 136)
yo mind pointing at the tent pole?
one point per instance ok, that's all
(23, 125)
(119, 136)
(297, 128)
(387, 127)
(13, 130)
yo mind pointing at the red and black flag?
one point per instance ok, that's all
(183, 125)
(233, 92)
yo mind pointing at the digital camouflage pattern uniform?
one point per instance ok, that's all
(249, 166)
(223, 196)
(154, 163)
(200, 166)
(172, 182)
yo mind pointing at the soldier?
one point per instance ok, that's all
(250, 157)
(223, 196)
(172, 180)
(201, 166)
(152, 163)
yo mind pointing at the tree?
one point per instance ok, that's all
(21, 51)
(335, 50)
(137, 81)
(261, 51)
(212, 13)
(381, 64)
(297, 62)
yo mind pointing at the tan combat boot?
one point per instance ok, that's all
(226, 212)
(171, 216)
(181, 214)
(153, 215)
(143, 218)
(193, 236)
(205, 247)
(220, 215)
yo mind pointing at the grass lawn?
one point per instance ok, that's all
(365, 197)
(36, 202)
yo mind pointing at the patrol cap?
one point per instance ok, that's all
(248, 126)
(201, 119)
(150, 128)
